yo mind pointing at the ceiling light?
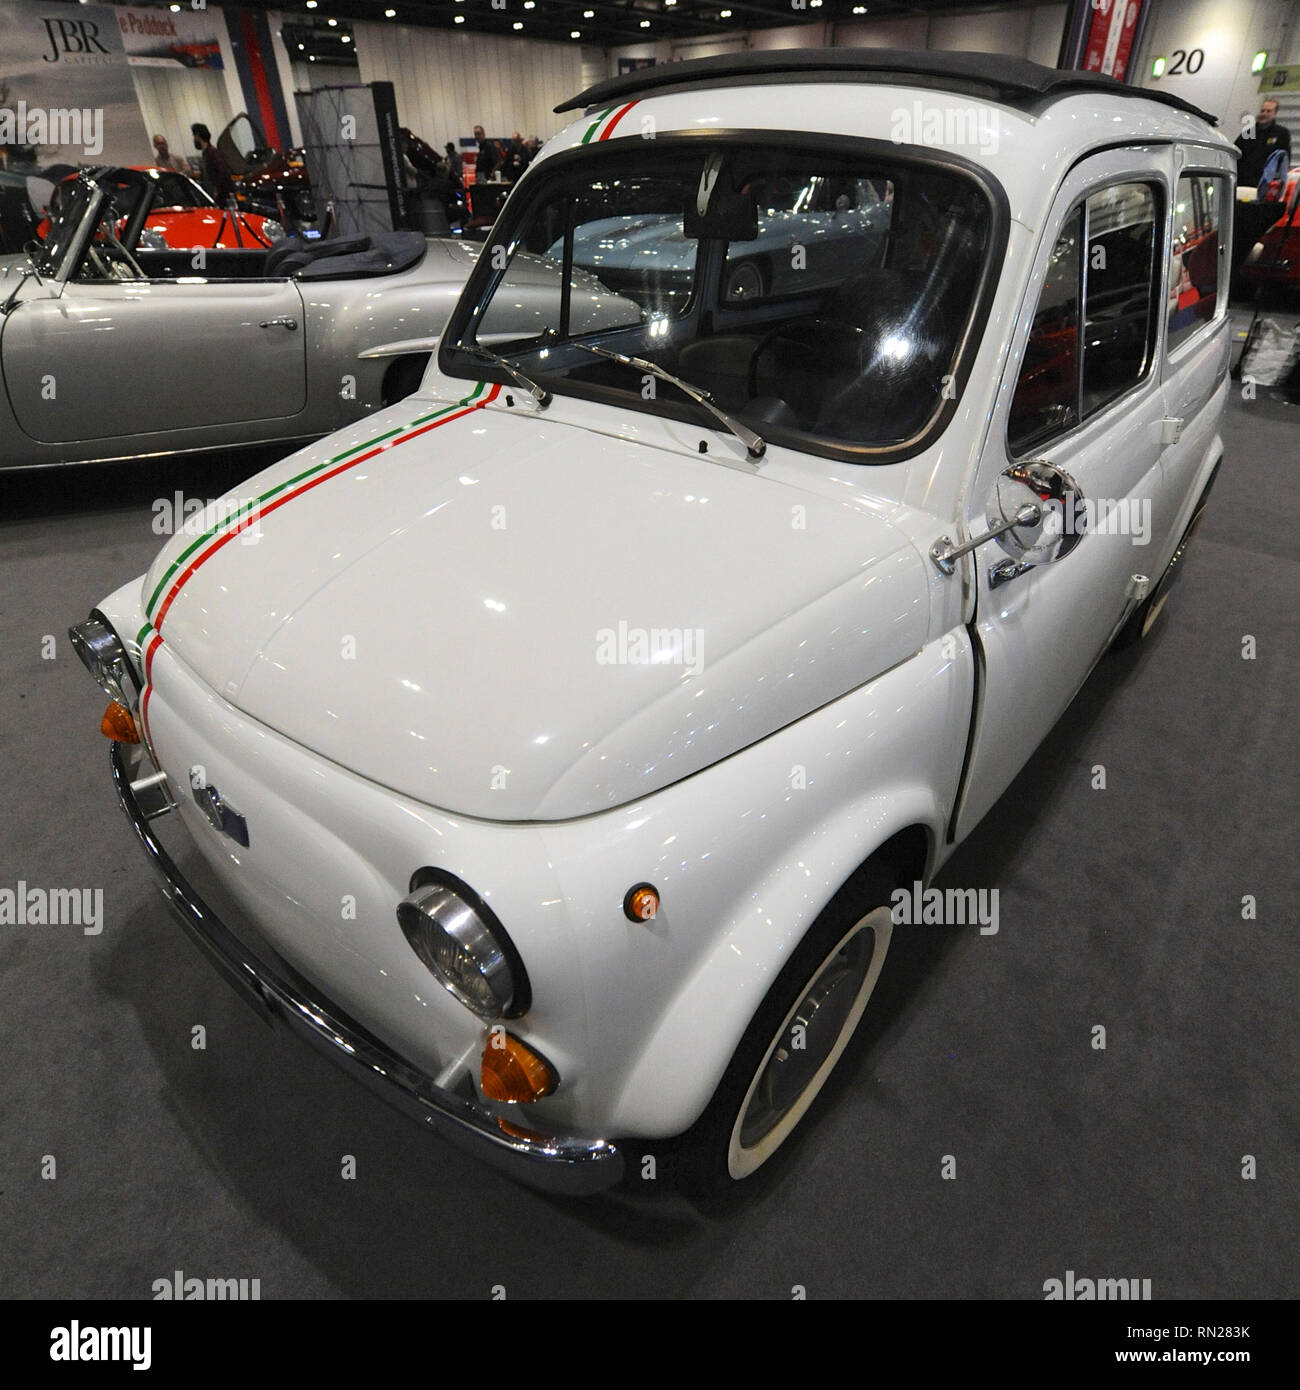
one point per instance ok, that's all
(575, 33)
(345, 38)
(460, 19)
(390, 14)
(518, 24)
(333, 23)
(645, 23)
(311, 4)
(724, 14)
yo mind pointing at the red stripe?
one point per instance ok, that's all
(618, 116)
(254, 517)
(154, 643)
(257, 70)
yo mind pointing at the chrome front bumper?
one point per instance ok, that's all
(576, 1167)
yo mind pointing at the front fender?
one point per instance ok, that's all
(882, 759)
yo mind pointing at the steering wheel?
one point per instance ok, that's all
(106, 253)
(828, 329)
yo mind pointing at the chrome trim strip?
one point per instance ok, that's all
(576, 1167)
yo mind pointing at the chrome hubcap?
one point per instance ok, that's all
(808, 1038)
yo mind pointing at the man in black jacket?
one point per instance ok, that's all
(489, 156)
(1267, 138)
(216, 172)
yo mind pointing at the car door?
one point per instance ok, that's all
(1082, 391)
(109, 358)
(1194, 365)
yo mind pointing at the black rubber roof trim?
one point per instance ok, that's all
(1009, 79)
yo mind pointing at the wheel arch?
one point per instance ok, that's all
(682, 1063)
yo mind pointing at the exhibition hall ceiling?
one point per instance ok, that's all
(611, 22)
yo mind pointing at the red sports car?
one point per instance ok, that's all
(1275, 258)
(184, 215)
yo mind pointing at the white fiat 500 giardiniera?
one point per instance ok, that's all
(565, 730)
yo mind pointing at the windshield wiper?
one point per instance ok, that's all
(754, 443)
(538, 393)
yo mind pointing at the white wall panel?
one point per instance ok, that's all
(909, 32)
(447, 83)
(1028, 33)
(172, 98)
(1229, 33)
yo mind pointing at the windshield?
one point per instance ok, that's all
(68, 204)
(176, 191)
(821, 297)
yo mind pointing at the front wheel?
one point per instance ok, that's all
(794, 1040)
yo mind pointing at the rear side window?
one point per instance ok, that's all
(1092, 332)
(1196, 255)
(1117, 296)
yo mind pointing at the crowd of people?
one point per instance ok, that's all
(442, 177)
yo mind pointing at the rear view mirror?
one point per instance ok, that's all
(729, 217)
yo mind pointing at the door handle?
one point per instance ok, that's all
(1006, 570)
(290, 324)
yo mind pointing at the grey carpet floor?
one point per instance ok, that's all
(1119, 908)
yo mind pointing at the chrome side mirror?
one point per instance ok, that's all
(1061, 518)
(1035, 513)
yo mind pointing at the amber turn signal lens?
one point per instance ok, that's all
(519, 1132)
(118, 725)
(513, 1072)
(641, 902)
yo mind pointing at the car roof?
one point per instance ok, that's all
(1014, 81)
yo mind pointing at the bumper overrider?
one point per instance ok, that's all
(280, 995)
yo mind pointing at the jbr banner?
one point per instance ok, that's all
(66, 94)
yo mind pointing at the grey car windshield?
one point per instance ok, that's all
(820, 297)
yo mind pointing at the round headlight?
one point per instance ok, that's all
(103, 656)
(464, 946)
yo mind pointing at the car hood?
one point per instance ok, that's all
(516, 619)
(11, 269)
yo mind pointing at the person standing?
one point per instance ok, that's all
(217, 178)
(489, 156)
(163, 158)
(1267, 139)
(455, 165)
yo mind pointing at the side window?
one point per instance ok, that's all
(1117, 294)
(1195, 262)
(1091, 336)
(1047, 393)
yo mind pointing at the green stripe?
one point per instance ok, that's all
(142, 634)
(292, 482)
(596, 123)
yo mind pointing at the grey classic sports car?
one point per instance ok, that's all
(806, 234)
(114, 349)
